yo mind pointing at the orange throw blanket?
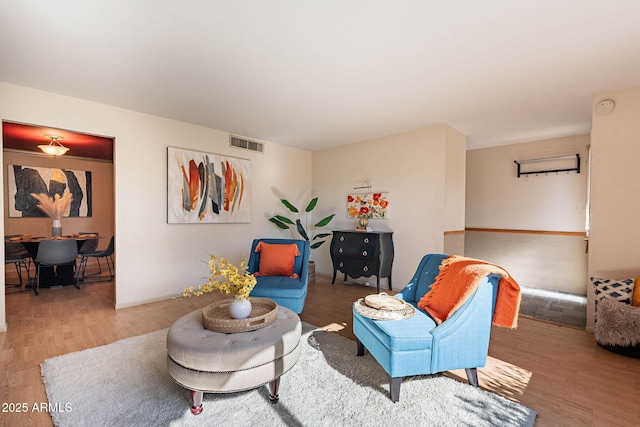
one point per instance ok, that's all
(458, 279)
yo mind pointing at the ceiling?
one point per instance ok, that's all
(18, 136)
(319, 74)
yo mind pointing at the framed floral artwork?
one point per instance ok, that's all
(368, 205)
(207, 188)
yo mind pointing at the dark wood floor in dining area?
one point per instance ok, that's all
(554, 369)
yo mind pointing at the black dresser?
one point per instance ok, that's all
(362, 254)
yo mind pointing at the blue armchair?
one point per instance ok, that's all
(417, 346)
(285, 291)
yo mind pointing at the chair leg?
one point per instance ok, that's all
(84, 268)
(29, 262)
(111, 275)
(394, 388)
(36, 288)
(76, 276)
(110, 266)
(19, 271)
(394, 383)
(27, 268)
(18, 266)
(99, 266)
(472, 376)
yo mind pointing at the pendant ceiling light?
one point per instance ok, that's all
(54, 148)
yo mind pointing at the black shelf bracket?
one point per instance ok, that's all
(549, 159)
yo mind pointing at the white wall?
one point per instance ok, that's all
(157, 260)
(549, 207)
(554, 262)
(615, 228)
(455, 180)
(413, 167)
(496, 198)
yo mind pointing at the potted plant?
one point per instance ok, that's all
(301, 230)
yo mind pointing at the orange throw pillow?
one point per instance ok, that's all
(277, 259)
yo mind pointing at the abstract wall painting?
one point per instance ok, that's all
(368, 205)
(207, 188)
(24, 180)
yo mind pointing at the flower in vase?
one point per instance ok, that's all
(225, 277)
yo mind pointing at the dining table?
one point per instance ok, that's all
(62, 274)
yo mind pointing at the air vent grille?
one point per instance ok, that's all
(246, 144)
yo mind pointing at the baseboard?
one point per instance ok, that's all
(144, 301)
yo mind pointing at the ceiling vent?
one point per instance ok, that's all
(246, 144)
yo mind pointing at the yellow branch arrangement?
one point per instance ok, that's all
(226, 278)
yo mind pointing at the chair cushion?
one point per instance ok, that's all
(277, 259)
(272, 286)
(409, 334)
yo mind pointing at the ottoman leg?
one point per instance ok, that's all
(196, 398)
(273, 390)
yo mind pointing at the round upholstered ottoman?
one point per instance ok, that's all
(204, 361)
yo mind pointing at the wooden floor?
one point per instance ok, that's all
(556, 370)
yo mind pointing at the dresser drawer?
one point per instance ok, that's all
(357, 252)
(356, 239)
(357, 268)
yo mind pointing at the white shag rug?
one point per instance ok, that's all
(126, 384)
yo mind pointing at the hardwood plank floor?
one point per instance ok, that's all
(559, 371)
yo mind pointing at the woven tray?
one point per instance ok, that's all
(382, 301)
(378, 314)
(216, 317)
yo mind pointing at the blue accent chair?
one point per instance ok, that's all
(416, 346)
(285, 291)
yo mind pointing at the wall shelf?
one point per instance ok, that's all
(549, 159)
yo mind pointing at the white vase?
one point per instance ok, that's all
(240, 309)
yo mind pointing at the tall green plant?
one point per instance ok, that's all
(302, 230)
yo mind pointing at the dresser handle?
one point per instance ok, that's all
(365, 268)
(366, 240)
(342, 238)
(364, 253)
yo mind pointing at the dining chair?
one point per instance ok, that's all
(57, 253)
(16, 254)
(107, 254)
(90, 241)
